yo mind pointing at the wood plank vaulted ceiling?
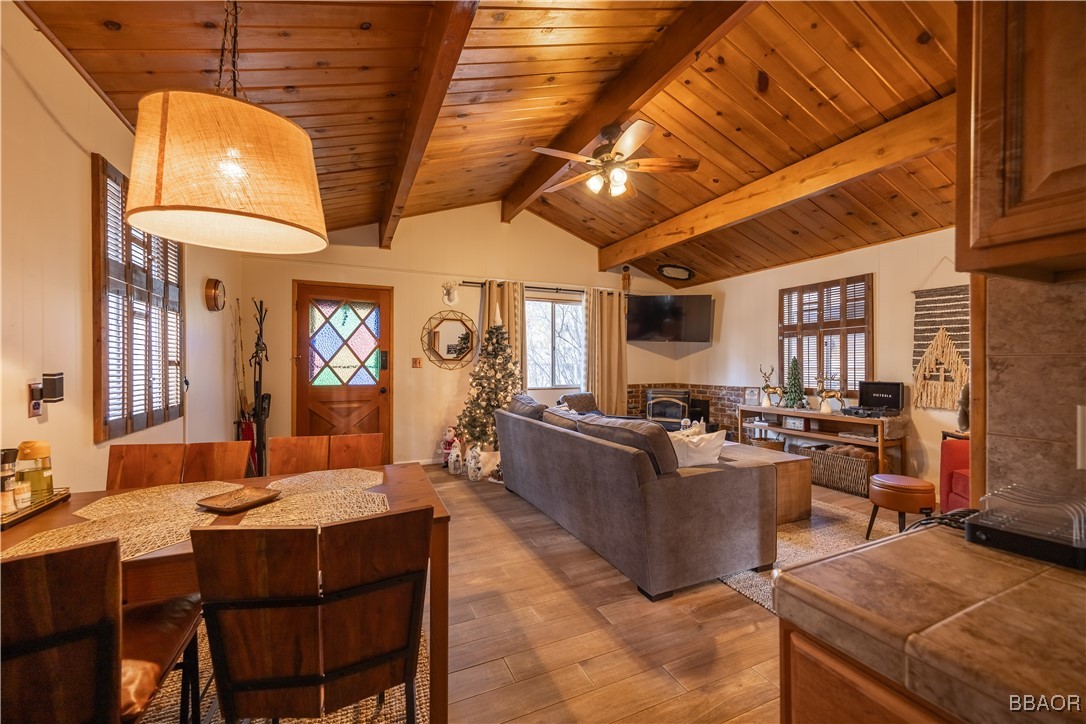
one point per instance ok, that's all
(821, 126)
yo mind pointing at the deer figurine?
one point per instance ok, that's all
(770, 389)
(826, 395)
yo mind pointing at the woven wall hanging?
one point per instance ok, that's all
(940, 346)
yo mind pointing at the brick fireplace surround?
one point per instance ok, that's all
(722, 400)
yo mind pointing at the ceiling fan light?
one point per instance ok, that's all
(215, 171)
(676, 271)
(617, 190)
(595, 183)
(617, 176)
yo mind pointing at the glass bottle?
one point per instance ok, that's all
(35, 466)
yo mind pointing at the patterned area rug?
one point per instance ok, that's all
(830, 530)
(165, 707)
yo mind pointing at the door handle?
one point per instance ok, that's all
(383, 390)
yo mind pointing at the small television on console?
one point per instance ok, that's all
(670, 318)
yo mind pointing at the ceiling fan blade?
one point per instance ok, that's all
(571, 181)
(630, 189)
(663, 165)
(567, 155)
(632, 138)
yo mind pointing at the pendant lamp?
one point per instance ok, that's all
(218, 171)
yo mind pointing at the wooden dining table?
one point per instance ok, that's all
(171, 571)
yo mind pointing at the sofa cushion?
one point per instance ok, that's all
(561, 418)
(959, 483)
(526, 406)
(641, 434)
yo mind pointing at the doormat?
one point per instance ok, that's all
(831, 529)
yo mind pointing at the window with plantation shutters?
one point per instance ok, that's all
(828, 327)
(137, 317)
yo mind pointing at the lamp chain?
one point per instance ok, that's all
(229, 42)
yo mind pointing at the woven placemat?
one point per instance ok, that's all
(317, 508)
(139, 533)
(158, 498)
(325, 480)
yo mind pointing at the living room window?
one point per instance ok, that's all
(555, 329)
(138, 316)
(829, 328)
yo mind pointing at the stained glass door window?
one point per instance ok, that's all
(343, 343)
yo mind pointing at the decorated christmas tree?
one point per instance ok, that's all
(494, 381)
(793, 389)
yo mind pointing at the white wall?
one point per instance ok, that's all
(464, 244)
(747, 330)
(51, 121)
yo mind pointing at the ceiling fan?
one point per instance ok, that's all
(611, 162)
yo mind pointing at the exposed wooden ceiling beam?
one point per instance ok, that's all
(699, 27)
(915, 134)
(445, 37)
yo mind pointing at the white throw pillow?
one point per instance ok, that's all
(693, 450)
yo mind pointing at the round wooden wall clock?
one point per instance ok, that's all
(214, 295)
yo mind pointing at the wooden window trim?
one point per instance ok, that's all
(841, 327)
(135, 286)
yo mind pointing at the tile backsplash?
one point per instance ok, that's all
(1036, 357)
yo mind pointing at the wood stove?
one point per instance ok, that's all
(667, 406)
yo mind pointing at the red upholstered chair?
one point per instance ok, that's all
(954, 475)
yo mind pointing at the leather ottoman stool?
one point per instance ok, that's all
(900, 493)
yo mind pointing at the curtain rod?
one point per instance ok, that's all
(555, 290)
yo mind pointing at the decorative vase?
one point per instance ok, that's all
(825, 408)
(766, 402)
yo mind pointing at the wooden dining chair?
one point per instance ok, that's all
(215, 461)
(303, 621)
(356, 451)
(61, 640)
(143, 466)
(291, 455)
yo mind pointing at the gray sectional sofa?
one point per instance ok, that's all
(615, 485)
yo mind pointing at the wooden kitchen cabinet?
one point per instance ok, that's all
(1022, 139)
(819, 684)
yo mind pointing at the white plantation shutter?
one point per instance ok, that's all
(828, 328)
(138, 317)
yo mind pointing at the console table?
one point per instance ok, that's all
(825, 427)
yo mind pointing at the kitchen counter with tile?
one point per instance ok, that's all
(955, 625)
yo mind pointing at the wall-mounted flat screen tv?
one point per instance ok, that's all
(670, 318)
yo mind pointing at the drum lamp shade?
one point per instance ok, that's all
(216, 171)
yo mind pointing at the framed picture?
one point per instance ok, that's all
(752, 396)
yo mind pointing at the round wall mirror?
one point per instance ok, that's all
(449, 339)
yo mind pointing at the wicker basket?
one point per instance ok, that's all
(839, 472)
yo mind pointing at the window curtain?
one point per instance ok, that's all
(605, 314)
(503, 303)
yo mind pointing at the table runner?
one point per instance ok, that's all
(139, 533)
(149, 519)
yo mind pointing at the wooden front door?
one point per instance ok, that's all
(343, 381)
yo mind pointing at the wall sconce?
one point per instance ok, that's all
(52, 387)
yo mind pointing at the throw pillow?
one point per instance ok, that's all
(526, 406)
(694, 450)
(582, 402)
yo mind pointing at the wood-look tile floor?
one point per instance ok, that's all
(543, 629)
